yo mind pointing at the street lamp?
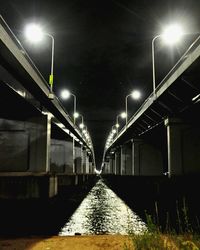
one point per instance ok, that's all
(35, 34)
(81, 125)
(65, 94)
(123, 116)
(135, 95)
(113, 131)
(171, 35)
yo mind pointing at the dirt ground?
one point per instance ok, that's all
(96, 242)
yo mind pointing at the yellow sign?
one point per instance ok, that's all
(51, 80)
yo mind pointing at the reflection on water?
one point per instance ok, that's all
(103, 212)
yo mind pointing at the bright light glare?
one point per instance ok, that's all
(81, 126)
(76, 115)
(172, 34)
(123, 115)
(117, 125)
(97, 171)
(114, 131)
(65, 94)
(34, 32)
(136, 94)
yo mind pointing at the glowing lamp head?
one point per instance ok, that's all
(117, 125)
(34, 33)
(123, 115)
(76, 115)
(136, 94)
(172, 34)
(65, 94)
(81, 126)
(114, 131)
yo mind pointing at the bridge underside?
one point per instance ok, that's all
(40, 146)
(163, 136)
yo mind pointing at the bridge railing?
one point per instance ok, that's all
(20, 47)
(153, 96)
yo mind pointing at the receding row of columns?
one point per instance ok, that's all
(140, 157)
(34, 152)
(30, 146)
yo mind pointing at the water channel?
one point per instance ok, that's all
(103, 212)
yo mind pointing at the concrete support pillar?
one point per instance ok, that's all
(77, 158)
(107, 168)
(112, 164)
(183, 147)
(174, 146)
(118, 161)
(87, 165)
(39, 129)
(73, 155)
(128, 158)
(136, 156)
(82, 171)
(91, 167)
(122, 160)
(115, 163)
(84, 156)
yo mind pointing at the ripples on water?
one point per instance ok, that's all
(103, 212)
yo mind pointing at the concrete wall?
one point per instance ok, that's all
(24, 187)
(61, 156)
(150, 160)
(24, 145)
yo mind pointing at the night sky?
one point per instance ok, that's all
(103, 50)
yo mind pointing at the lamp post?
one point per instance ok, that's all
(171, 35)
(75, 114)
(81, 125)
(52, 62)
(35, 34)
(65, 94)
(153, 62)
(135, 95)
(113, 131)
(123, 116)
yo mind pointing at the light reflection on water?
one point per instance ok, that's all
(103, 212)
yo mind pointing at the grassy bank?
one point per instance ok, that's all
(157, 239)
(104, 242)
